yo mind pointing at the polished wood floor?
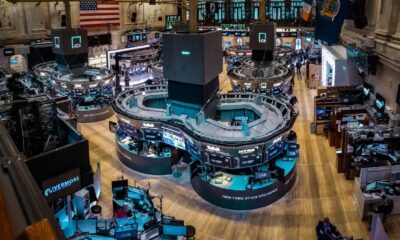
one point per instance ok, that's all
(319, 191)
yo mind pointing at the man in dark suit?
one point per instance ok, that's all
(327, 231)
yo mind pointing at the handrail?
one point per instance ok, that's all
(289, 116)
(23, 197)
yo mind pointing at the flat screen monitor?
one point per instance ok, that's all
(366, 89)
(174, 138)
(308, 40)
(379, 102)
(370, 186)
(317, 46)
(275, 150)
(262, 175)
(287, 44)
(119, 185)
(171, 230)
(320, 112)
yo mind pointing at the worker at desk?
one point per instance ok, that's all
(384, 208)
(124, 211)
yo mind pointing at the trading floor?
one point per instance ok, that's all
(319, 191)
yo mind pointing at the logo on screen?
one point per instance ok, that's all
(76, 41)
(60, 186)
(57, 42)
(262, 37)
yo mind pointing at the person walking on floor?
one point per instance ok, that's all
(298, 69)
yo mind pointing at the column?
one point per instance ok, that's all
(184, 12)
(396, 35)
(386, 18)
(262, 11)
(193, 16)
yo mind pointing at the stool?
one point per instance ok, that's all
(96, 211)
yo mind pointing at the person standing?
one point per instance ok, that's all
(298, 69)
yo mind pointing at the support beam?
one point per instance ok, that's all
(262, 11)
(68, 20)
(184, 12)
(193, 16)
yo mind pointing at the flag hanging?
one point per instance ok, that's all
(307, 6)
(99, 14)
(330, 18)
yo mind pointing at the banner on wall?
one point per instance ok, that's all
(307, 6)
(330, 16)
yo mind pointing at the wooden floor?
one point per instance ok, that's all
(319, 191)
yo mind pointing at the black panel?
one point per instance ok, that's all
(190, 93)
(260, 55)
(61, 160)
(40, 54)
(246, 199)
(192, 58)
(98, 40)
(73, 61)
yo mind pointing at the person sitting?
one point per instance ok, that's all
(327, 231)
(384, 208)
(124, 211)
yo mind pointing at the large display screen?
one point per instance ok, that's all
(250, 160)
(274, 150)
(171, 20)
(379, 102)
(366, 89)
(129, 130)
(150, 134)
(173, 137)
(62, 185)
(217, 159)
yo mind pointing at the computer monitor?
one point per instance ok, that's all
(119, 185)
(172, 230)
(370, 187)
(320, 112)
(262, 175)
(379, 102)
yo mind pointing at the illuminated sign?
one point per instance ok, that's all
(62, 185)
(78, 85)
(246, 151)
(277, 139)
(149, 125)
(211, 148)
(76, 41)
(8, 51)
(185, 53)
(57, 42)
(262, 37)
(125, 120)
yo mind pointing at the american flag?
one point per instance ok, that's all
(99, 14)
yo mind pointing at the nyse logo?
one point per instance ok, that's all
(262, 37)
(76, 41)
